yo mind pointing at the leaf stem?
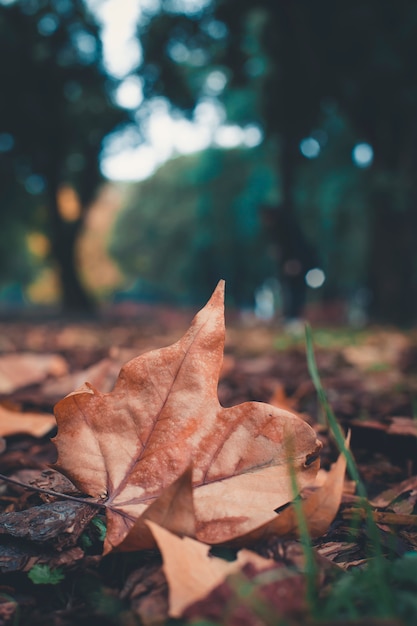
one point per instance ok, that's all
(49, 492)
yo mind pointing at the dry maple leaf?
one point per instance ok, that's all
(134, 447)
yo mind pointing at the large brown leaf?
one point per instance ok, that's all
(134, 447)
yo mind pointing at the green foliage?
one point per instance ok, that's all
(44, 575)
(357, 592)
(196, 220)
(100, 526)
(95, 532)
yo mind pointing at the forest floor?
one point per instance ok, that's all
(370, 378)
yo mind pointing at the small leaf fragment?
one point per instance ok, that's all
(16, 423)
(191, 572)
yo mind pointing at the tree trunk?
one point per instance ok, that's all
(392, 264)
(74, 297)
(296, 254)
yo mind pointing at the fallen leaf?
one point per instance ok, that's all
(320, 507)
(403, 426)
(394, 425)
(191, 572)
(280, 400)
(43, 479)
(102, 374)
(382, 348)
(129, 447)
(8, 608)
(27, 368)
(253, 598)
(146, 590)
(16, 423)
(387, 497)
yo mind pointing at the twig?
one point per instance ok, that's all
(49, 492)
(382, 517)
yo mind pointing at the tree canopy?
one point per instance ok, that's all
(291, 62)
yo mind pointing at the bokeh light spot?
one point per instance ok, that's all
(130, 94)
(228, 136)
(48, 24)
(252, 136)
(310, 148)
(216, 81)
(69, 206)
(34, 184)
(216, 29)
(315, 278)
(362, 155)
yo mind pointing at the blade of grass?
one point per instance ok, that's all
(382, 590)
(311, 570)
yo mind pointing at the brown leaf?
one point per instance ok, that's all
(129, 446)
(253, 598)
(190, 571)
(319, 508)
(280, 399)
(388, 496)
(147, 590)
(381, 348)
(26, 368)
(43, 479)
(15, 423)
(102, 374)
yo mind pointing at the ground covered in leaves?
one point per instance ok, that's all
(51, 566)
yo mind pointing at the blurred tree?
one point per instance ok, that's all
(290, 60)
(369, 48)
(195, 221)
(273, 79)
(55, 111)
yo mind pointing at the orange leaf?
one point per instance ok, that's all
(319, 508)
(129, 446)
(26, 368)
(191, 572)
(15, 423)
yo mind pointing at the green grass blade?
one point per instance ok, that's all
(381, 589)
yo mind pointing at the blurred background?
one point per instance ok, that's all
(149, 148)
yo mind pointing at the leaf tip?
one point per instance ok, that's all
(216, 301)
(220, 288)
